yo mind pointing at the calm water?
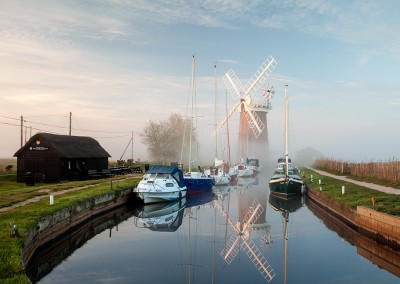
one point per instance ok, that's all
(234, 235)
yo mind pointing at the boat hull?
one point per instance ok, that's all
(286, 187)
(149, 197)
(198, 184)
(221, 180)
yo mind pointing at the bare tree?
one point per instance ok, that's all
(164, 139)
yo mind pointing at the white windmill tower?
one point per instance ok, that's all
(252, 107)
(242, 241)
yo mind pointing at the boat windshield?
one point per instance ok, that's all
(164, 176)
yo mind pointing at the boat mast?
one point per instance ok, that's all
(286, 133)
(215, 109)
(191, 116)
(227, 129)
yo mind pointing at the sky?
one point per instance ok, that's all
(117, 64)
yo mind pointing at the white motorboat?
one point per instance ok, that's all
(161, 184)
(220, 176)
(244, 170)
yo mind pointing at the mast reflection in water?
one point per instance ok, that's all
(230, 235)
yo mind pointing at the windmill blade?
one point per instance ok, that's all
(261, 75)
(233, 84)
(225, 119)
(258, 260)
(228, 219)
(254, 212)
(254, 121)
(231, 249)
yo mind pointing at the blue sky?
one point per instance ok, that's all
(116, 64)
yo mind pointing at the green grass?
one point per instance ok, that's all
(12, 192)
(26, 217)
(355, 195)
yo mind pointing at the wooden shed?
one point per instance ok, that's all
(53, 158)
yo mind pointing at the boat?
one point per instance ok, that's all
(195, 181)
(164, 217)
(218, 173)
(161, 184)
(243, 170)
(254, 164)
(221, 177)
(286, 180)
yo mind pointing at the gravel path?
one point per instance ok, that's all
(385, 189)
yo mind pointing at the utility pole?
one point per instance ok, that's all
(22, 131)
(70, 123)
(132, 147)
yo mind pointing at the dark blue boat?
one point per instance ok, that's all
(197, 182)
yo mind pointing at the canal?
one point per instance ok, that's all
(234, 234)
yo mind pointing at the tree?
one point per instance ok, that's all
(164, 139)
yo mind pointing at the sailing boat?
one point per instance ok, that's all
(286, 206)
(195, 181)
(286, 181)
(217, 171)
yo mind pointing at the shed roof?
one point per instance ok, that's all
(69, 146)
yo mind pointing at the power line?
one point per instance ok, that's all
(58, 126)
(112, 137)
(10, 124)
(126, 133)
(9, 117)
(46, 115)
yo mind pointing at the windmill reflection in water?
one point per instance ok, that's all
(241, 240)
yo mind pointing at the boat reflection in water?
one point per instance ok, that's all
(221, 191)
(166, 217)
(286, 205)
(245, 183)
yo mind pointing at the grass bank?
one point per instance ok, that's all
(27, 216)
(382, 173)
(355, 195)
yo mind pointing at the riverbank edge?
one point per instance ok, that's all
(380, 227)
(52, 226)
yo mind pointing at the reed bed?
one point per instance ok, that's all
(387, 170)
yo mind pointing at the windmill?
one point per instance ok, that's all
(242, 241)
(252, 108)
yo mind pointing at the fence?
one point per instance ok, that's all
(389, 170)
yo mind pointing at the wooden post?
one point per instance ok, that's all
(70, 123)
(22, 131)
